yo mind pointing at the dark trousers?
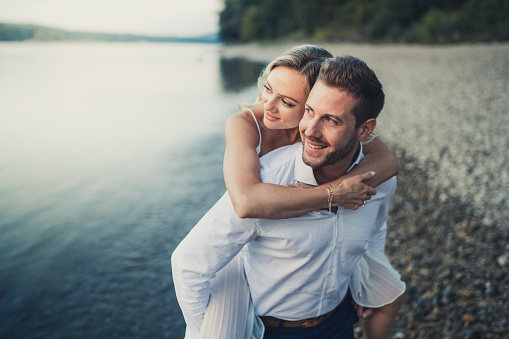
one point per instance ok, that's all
(338, 326)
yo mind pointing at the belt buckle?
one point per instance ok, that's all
(303, 324)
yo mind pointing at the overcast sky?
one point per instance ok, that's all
(150, 17)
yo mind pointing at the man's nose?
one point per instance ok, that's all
(313, 129)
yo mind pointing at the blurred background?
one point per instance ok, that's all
(112, 135)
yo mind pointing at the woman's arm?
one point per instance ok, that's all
(378, 159)
(251, 198)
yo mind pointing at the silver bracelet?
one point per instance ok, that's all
(330, 198)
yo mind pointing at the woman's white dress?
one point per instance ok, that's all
(230, 313)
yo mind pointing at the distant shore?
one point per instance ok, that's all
(446, 120)
(31, 33)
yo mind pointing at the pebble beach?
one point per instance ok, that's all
(446, 120)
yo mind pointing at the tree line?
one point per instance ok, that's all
(421, 21)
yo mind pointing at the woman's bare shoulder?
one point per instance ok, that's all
(244, 118)
(241, 129)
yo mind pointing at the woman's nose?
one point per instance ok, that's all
(270, 104)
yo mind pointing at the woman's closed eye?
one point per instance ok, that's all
(267, 88)
(287, 103)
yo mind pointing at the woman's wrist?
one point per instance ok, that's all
(330, 197)
(338, 195)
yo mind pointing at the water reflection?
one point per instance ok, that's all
(238, 74)
(102, 173)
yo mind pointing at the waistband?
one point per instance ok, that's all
(311, 322)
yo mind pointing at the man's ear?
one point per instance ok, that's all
(365, 130)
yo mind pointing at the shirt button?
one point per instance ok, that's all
(330, 272)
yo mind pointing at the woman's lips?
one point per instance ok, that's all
(270, 117)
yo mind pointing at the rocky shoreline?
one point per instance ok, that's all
(454, 263)
(446, 120)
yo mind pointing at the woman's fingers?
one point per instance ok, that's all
(367, 175)
(353, 193)
(370, 191)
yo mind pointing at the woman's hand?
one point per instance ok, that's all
(352, 192)
(362, 312)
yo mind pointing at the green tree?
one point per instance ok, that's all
(251, 24)
(434, 26)
(369, 20)
(230, 19)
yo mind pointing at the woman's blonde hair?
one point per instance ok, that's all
(305, 59)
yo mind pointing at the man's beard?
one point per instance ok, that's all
(333, 157)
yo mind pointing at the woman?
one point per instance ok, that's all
(253, 132)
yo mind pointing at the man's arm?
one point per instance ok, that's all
(210, 245)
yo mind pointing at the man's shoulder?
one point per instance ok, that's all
(280, 156)
(277, 167)
(389, 182)
(387, 187)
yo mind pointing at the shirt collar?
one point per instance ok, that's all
(304, 174)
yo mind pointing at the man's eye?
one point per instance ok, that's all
(330, 121)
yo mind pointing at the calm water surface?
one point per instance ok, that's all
(109, 154)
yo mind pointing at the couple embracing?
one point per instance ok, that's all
(295, 248)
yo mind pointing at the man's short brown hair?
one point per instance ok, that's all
(355, 77)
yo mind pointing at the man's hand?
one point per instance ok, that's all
(352, 193)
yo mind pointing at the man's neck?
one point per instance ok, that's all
(328, 173)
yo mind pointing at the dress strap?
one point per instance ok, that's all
(259, 147)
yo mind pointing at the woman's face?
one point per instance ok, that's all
(284, 98)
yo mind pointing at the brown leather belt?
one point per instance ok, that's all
(312, 322)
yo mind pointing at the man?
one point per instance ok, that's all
(298, 269)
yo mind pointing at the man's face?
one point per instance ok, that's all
(327, 129)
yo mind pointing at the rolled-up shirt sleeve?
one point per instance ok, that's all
(208, 247)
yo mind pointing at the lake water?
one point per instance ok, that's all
(109, 154)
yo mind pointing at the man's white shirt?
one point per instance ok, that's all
(296, 268)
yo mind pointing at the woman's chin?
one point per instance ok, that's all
(270, 123)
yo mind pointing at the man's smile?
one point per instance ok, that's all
(315, 144)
